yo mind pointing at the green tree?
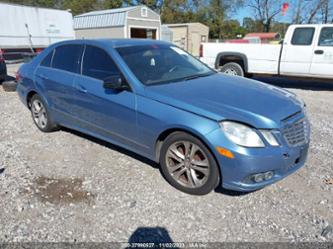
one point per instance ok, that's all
(175, 11)
(280, 27)
(37, 3)
(218, 12)
(80, 6)
(152, 4)
(111, 4)
(231, 29)
(251, 25)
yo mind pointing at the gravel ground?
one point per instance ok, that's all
(65, 186)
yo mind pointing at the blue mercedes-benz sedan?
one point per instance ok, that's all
(204, 128)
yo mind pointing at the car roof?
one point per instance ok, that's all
(312, 25)
(115, 43)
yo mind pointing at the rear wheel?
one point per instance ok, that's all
(232, 68)
(40, 115)
(188, 165)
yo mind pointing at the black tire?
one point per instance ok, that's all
(249, 75)
(212, 179)
(9, 86)
(47, 125)
(232, 68)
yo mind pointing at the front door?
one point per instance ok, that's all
(297, 53)
(110, 114)
(322, 62)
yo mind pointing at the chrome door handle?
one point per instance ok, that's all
(82, 89)
(42, 76)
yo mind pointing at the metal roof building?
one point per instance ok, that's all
(129, 22)
(189, 36)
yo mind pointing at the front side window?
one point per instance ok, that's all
(98, 64)
(326, 37)
(303, 36)
(47, 60)
(156, 64)
(67, 57)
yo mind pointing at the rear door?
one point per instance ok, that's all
(111, 114)
(56, 75)
(297, 52)
(322, 62)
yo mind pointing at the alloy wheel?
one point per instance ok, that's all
(188, 164)
(39, 113)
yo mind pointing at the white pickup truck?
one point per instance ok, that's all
(306, 51)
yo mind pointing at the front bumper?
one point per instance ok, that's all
(237, 172)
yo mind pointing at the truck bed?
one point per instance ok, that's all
(262, 58)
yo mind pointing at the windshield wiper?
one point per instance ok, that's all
(192, 77)
(180, 79)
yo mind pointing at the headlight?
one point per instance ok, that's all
(298, 100)
(241, 134)
(268, 135)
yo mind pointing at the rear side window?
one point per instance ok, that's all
(326, 37)
(47, 60)
(67, 58)
(303, 36)
(98, 64)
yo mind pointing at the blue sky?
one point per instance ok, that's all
(248, 12)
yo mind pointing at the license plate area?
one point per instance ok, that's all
(296, 157)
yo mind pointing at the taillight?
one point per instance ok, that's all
(38, 50)
(18, 76)
(2, 59)
(201, 51)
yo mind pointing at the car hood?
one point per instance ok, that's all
(220, 97)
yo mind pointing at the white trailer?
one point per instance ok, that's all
(23, 27)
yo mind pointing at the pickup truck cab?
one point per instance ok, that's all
(306, 51)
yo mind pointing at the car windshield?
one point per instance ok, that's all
(157, 64)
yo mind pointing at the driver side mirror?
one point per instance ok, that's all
(116, 83)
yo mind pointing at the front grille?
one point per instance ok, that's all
(296, 133)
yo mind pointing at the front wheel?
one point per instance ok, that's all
(232, 68)
(188, 165)
(40, 115)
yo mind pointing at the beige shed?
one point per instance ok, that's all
(189, 36)
(129, 22)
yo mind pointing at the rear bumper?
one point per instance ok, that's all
(22, 92)
(238, 172)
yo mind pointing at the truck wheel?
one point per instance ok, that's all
(232, 68)
(9, 86)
